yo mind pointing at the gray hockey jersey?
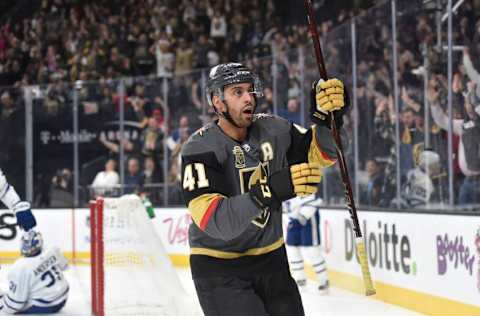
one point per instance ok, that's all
(215, 176)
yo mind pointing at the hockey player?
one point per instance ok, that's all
(419, 187)
(21, 209)
(236, 172)
(303, 240)
(36, 281)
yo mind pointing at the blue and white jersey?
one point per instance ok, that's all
(36, 284)
(7, 193)
(304, 221)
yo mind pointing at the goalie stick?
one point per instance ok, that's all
(360, 243)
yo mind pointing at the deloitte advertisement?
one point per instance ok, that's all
(426, 262)
(428, 253)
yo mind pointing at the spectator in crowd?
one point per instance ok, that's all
(180, 134)
(164, 56)
(152, 178)
(140, 106)
(218, 29)
(107, 179)
(375, 182)
(472, 73)
(202, 47)
(183, 57)
(152, 172)
(153, 138)
(134, 176)
(266, 105)
(468, 130)
(7, 106)
(130, 147)
(61, 192)
(292, 112)
(143, 60)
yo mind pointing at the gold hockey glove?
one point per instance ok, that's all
(268, 192)
(305, 178)
(328, 96)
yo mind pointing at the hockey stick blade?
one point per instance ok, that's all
(362, 257)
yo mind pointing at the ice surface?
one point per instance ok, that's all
(337, 302)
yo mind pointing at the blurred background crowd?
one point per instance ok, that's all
(124, 81)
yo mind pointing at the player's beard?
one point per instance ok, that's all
(238, 120)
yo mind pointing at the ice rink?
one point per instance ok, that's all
(337, 302)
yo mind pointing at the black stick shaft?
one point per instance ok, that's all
(312, 26)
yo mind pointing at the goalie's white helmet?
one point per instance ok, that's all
(31, 243)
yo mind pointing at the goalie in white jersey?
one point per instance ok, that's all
(303, 240)
(36, 281)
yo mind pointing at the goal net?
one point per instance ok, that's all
(131, 271)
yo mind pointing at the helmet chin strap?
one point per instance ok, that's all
(226, 114)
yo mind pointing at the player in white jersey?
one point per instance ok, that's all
(418, 188)
(10, 198)
(36, 281)
(304, 241)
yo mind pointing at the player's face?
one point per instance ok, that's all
(240, 100)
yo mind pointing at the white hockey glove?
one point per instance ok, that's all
(297, 215)
(310, 208)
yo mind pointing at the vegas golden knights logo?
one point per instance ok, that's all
(239, 157)
(245, 183)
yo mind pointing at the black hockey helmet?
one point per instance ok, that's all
(226, 74)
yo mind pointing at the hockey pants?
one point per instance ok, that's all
(274, 294)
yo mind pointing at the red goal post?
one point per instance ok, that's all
(131, 273)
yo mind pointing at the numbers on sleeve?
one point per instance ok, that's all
(189, 180)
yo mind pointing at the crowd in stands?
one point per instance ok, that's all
(86, 46)
(423, 148)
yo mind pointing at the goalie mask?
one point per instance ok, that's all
(223, 75)
(31, 244)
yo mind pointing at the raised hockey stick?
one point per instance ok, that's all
(360, 243)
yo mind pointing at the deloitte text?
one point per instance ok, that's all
(385, 248)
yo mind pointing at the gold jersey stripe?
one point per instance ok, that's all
(234, 255)
(315, 154)
(199, 206)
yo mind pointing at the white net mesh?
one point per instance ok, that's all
(139, 277)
